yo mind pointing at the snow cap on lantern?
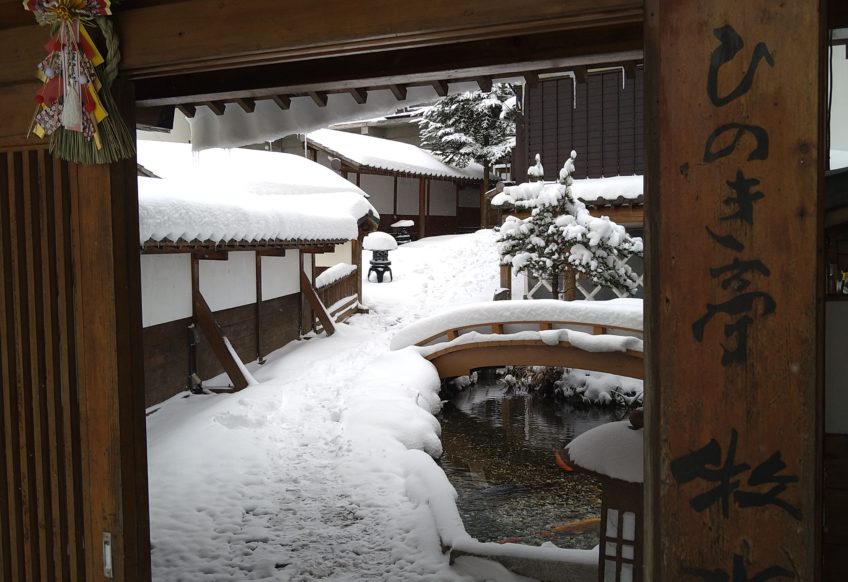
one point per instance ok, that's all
(379, 241)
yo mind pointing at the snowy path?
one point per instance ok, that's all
(306, 476)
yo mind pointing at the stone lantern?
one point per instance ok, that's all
(401, 233)
(612, 453)
(380, 243)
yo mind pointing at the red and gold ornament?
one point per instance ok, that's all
(69, 99)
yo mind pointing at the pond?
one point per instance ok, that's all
(498, 454)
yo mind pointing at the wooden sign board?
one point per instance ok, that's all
(733, 129)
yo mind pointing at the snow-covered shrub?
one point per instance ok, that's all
(577, 387)
(561, 233)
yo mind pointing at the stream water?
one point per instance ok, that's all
(498, 454)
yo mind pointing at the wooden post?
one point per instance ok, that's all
(735, 158)
(356, 259)
(422, 208)
(258, 314)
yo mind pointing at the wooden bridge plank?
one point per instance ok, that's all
(459, 360)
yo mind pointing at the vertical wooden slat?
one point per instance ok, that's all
(33, 185)
(13, 559)
(72, 520)
(48, 331)
(21, 256)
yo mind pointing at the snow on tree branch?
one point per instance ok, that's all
(561, 233)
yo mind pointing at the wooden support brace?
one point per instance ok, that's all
(599, 329)
(441, 88)
(545, 325)
(187, 110)
(359, 95)
(319, 97)
(216, 107)
(497, 328)
(309, 291)
(205, 320)
(485, 83)
(452, 334)
(282, 101)
(399, 91)
(248, 105)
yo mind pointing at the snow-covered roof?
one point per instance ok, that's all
(614, 449)
(392, 156)
(614, 191)
(243, 195)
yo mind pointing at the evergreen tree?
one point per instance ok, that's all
(560, 233)
(475, 126)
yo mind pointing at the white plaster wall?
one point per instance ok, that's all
(442, 198)
(341, 254)
(469, 197)
(165, 288)
(407, 196)
(381, 189)
(229, 283)
(836, 367)
(280, 275)
(839, 109)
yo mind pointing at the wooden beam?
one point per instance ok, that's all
(319, 97)
(580, 74)
(422, 207)
(155, 41)
(732, 468)
(281, 101)
(531, 79)
(497, 58)
(485, 83)
(271, 253)
(187, 109)
(359, 95)
(216, 107)
(211, 255)
(399, 91)
(317, 307)
(247, 105)
(441, 88)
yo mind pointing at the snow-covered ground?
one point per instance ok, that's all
(323, 470)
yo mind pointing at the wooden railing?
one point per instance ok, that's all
(341, 297)
(516, 326)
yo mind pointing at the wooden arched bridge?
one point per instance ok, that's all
(600, 336)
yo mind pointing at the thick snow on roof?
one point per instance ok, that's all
(385, 154)
(626, 313)
(612, 449)
(615, 190)
(244, 195)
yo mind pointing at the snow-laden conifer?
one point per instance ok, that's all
(474, 126)
(560, 233)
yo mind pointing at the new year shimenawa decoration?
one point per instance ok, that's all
(75, 107)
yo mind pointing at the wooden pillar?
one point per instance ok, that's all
(735, 159)
(72, 425)
(422, 207)
(258, 313)
(356, 259)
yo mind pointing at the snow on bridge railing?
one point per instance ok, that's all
(614, 317)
